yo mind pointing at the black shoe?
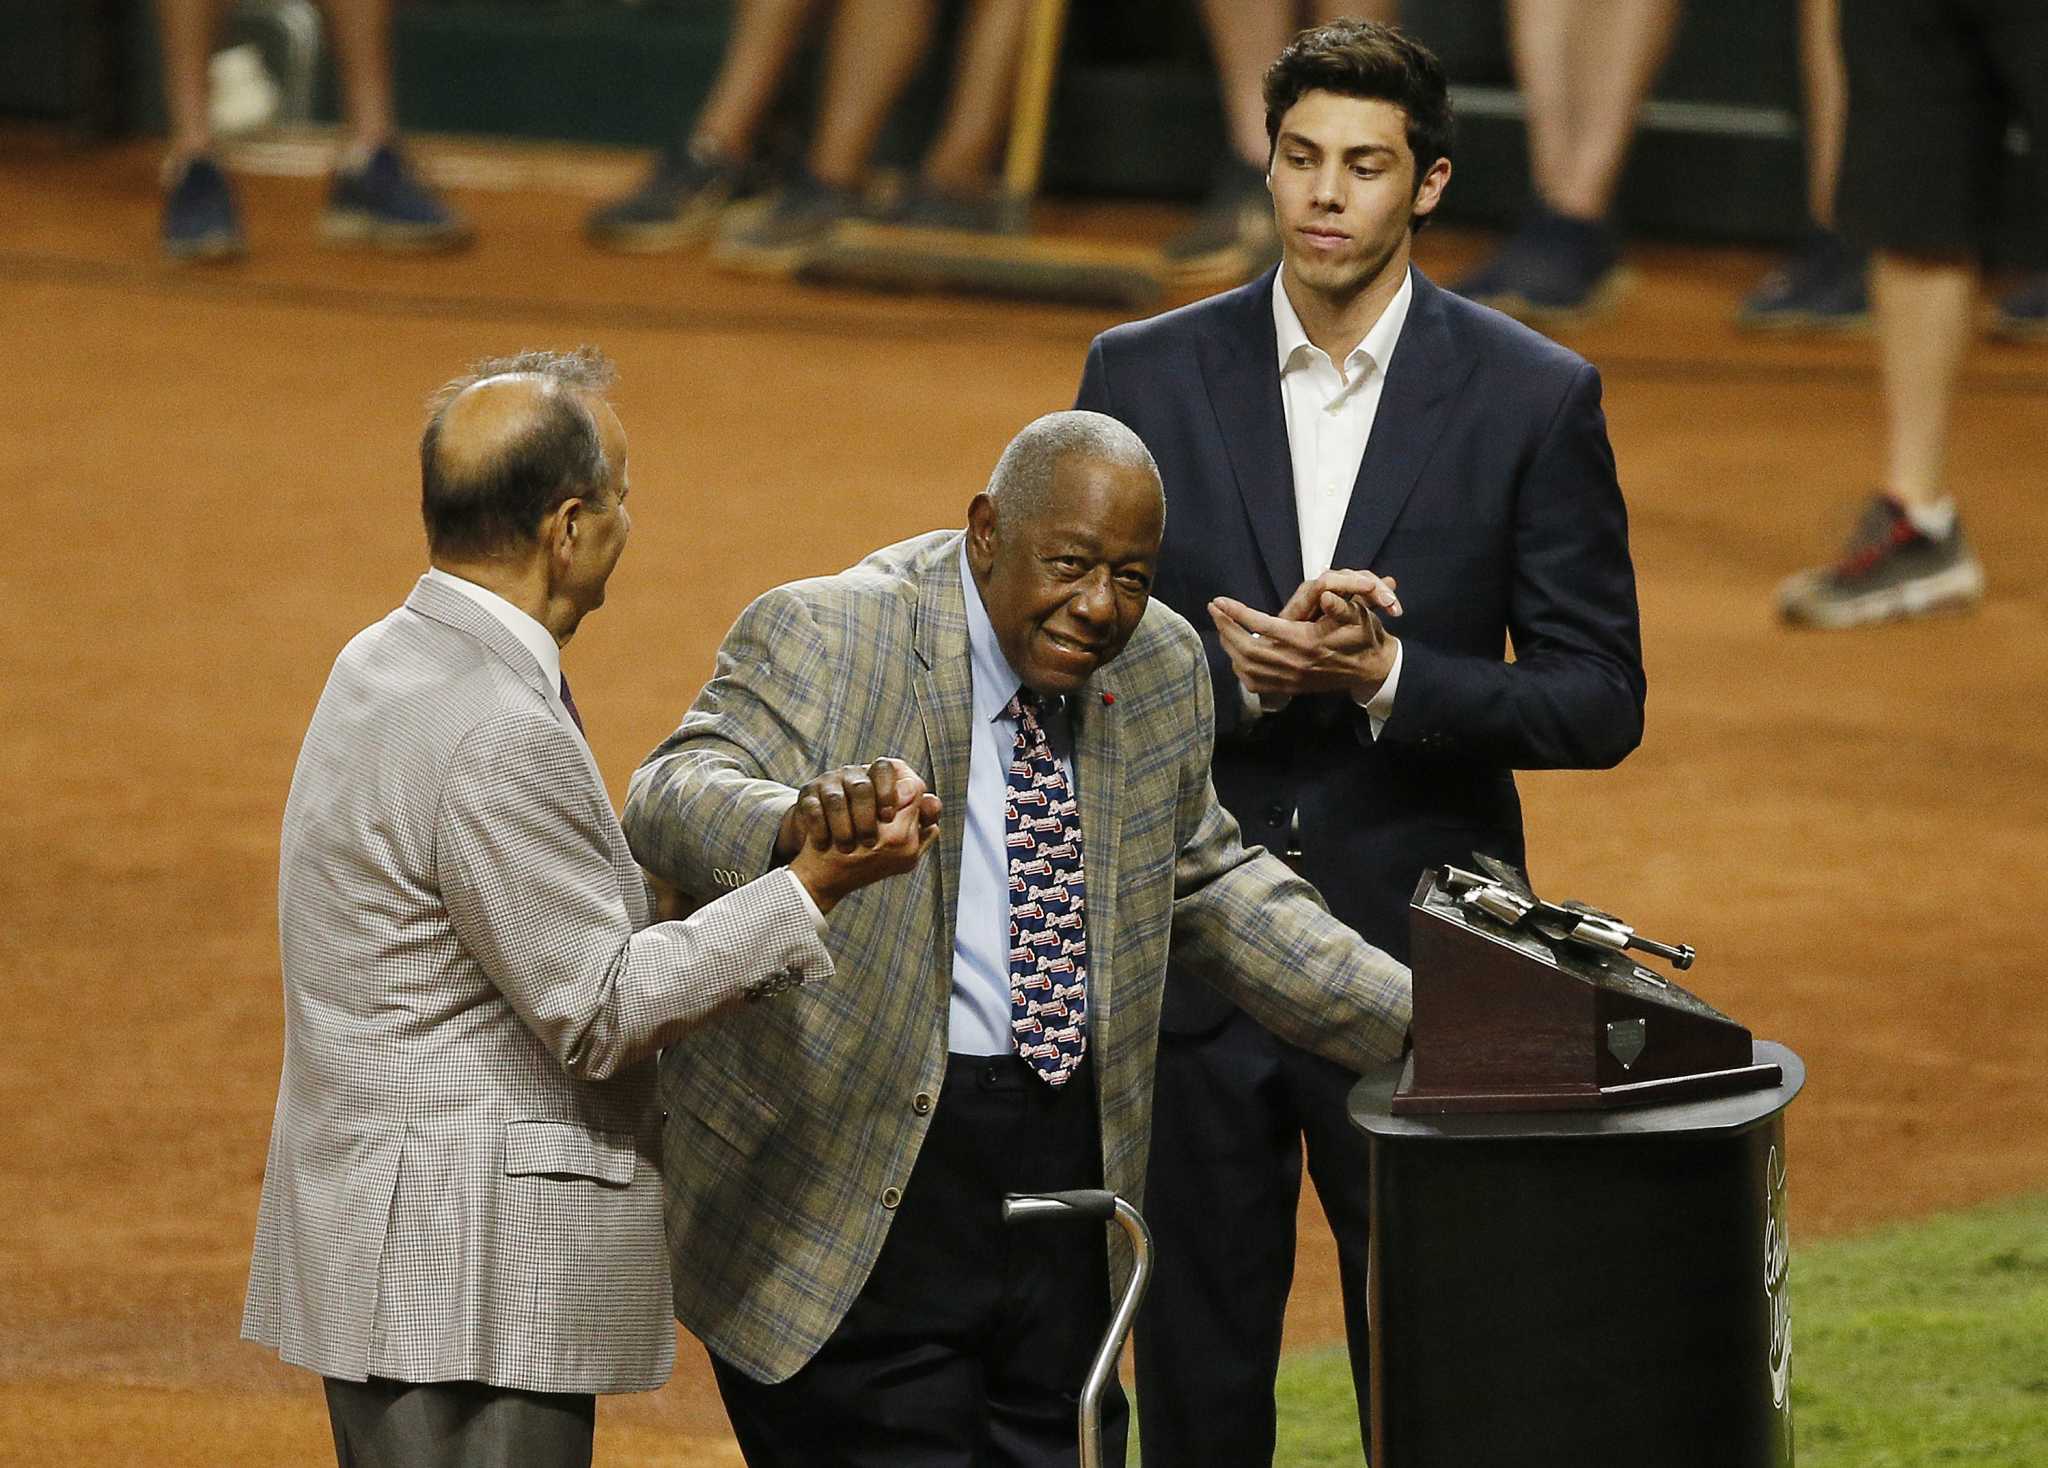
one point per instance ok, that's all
(1552, 269)
(383, 206)
(793, 224)
(678, 204)
(1820, 287)
(200, 221)
(1233, 237)
(2022, 315)
(989, 211)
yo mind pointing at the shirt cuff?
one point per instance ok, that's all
(1257, 705)
(1380, 707)
(810, 902)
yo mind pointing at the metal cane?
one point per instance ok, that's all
(1100, 1206)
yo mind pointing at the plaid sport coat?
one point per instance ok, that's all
(792, 1125)
(462, 1180)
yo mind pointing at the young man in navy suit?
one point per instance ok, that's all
(1375, 489)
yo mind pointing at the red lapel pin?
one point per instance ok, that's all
(1108, 699)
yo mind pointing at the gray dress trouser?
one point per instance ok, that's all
(457, 1424)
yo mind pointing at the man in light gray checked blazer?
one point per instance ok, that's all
(460, 1226)
(835, 1162)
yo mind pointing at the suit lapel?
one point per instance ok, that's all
(1240, 370)
(1422, 381)
(945, 706)
(1099, 771)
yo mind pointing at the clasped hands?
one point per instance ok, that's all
(856, 825)
(1328, 638)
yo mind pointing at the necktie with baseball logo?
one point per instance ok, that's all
(1048, 903)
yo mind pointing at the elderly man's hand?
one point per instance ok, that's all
(1328, 638)
(846, 808)
(856, 825)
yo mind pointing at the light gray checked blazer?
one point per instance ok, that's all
(462, 1177)
(793, 1126)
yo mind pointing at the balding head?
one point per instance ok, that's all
(507, 443)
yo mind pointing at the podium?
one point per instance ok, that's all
(1563, 1273)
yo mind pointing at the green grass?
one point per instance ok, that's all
(1922, 1345)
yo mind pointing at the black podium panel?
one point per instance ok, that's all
(1581, 1288)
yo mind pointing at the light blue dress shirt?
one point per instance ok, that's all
(979, 1021)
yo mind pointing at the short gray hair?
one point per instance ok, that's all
(1021, 485)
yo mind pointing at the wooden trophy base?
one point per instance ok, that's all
(1410, 1099)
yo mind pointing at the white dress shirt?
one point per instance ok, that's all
(978, 1021)
(535, 638)
(1330, 411)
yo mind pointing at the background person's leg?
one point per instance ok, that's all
(200, 220)
(1339, 1158)
(376, 199)
(961, 161)
(874, 50)
(1923, 330)
(1222, 1189)
(1584, 68)
(1821, 284)
(1617, 48)
(1233, 237)
(1919, 177)
(694, 179)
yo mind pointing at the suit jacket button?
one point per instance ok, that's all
(921, 1103)
(891, 1197)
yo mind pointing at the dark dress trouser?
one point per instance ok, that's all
(457, 1424)
(968, 1345)
(1234, 1107)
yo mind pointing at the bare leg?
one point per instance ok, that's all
(765, 35)
(362, 36)
(875, 47)
(1540, 39)
(186, 29)
(1923, 329)
(1825, 82)
(1615, 51)
(962, 157)
(1245, 36)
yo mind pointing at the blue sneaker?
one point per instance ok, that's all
(1552, 269)
(2022, 315)
(383, 206)
(200, 220)
(1819, 287)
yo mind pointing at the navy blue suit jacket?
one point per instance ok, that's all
(1488, 490)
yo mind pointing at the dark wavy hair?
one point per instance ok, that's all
(1362, 58)
(486, 509)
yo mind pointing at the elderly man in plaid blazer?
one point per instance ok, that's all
(835, 1159)
(460, 1225)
